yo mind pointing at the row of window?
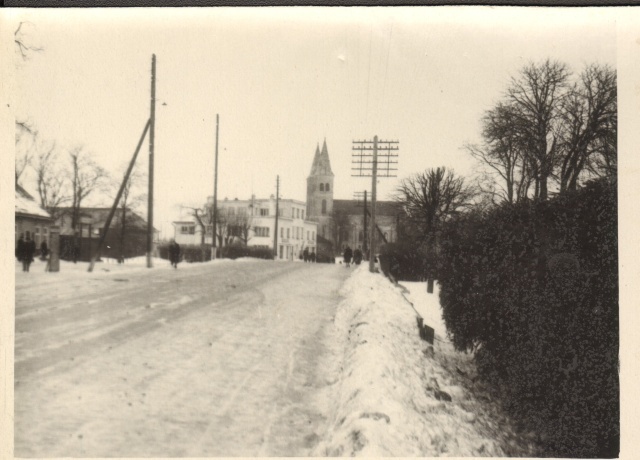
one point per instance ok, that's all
(297, 234)
(325, 188)
(261, 231)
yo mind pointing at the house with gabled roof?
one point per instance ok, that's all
(31, 220)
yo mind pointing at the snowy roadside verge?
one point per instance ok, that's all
(389, 396)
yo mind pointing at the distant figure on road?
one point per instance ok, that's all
(305, 254)
(357, 256)
(44, 250)
(312, 256)
(174, 253)
(347, 256)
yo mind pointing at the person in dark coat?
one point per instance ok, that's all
(174, 253)
(305, 254)
(44, 250)
(312, 256)
(357, 256)
(20, 248)
(28, 251)
(347, 256)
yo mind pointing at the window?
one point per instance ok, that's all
(262, 231)
(188, 230)
(297, 213)
(288, 233)
(308, 235)
(326, 188)
(302, 215)
(313, 236)
(242, 212)
(231, 211)
(324, 206)
(322, 187)
(264, 211)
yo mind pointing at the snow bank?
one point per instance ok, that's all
(395, 395)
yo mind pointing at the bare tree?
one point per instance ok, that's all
(25, 139)
(51, 180)
(432, 197)
(204, 219)
(536, 97)
(86, 177)
(589, 114)
(429, 199)
(23, 43)
(241, 225)
(25, 132)
(503, 154)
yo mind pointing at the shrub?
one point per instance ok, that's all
(403, 261)
(534, 288)
(235, 252)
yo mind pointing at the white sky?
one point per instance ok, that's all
(282, 80)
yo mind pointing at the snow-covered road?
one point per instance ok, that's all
(218, 359)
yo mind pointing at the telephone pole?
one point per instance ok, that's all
(365, 163)
(275, 232)
(152, 122)
(214, 212)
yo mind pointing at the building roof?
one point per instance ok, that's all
(321, 164)
(355, 207)
(26, 204)
(99, 217)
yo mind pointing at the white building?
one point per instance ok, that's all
(253, 222)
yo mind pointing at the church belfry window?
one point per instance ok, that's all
(324, 206)
(322, 187)
(326, 188)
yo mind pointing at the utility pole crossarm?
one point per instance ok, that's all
(368, 165)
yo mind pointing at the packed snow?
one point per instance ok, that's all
(377, 390)
(396, 395)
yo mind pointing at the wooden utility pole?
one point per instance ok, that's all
(275, 233)
(366, 164)
(152, 122)
(112, 211)
(374, 180)
(365, 246)
(215, 195)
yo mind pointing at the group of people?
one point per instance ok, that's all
(26, 249)
(349, 255)
(309, 256)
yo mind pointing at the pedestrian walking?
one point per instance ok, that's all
(357, 256)
(313, 256)
(26, 252)
(174, 253)
(348, 253)
(44, 250)
(305, 254)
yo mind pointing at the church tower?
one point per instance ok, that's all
(320, 192)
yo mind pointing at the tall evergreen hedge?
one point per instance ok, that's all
(533, 288)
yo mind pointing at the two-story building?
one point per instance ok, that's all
(253, 222)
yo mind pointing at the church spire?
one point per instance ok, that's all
(321, 163)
